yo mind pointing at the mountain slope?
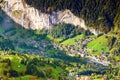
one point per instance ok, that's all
(67, 49)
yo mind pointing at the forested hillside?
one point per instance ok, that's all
(99, 14)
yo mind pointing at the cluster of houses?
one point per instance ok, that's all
(102, 59)
(78, 48)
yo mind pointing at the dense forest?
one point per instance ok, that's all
(66, 31)
(99, 14)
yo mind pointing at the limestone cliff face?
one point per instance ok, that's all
(30, 17)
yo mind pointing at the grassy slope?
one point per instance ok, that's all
(53, 39)
(71, 41)
(27, 77)
(99, 44)
(16, 65)
(15, 62)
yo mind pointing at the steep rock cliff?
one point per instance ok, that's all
(32, 18)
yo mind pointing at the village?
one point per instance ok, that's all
(80, 49)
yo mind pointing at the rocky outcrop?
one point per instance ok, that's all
(30, 17)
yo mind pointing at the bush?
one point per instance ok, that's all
(13, 73)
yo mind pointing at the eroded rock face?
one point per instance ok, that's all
(30, 17)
